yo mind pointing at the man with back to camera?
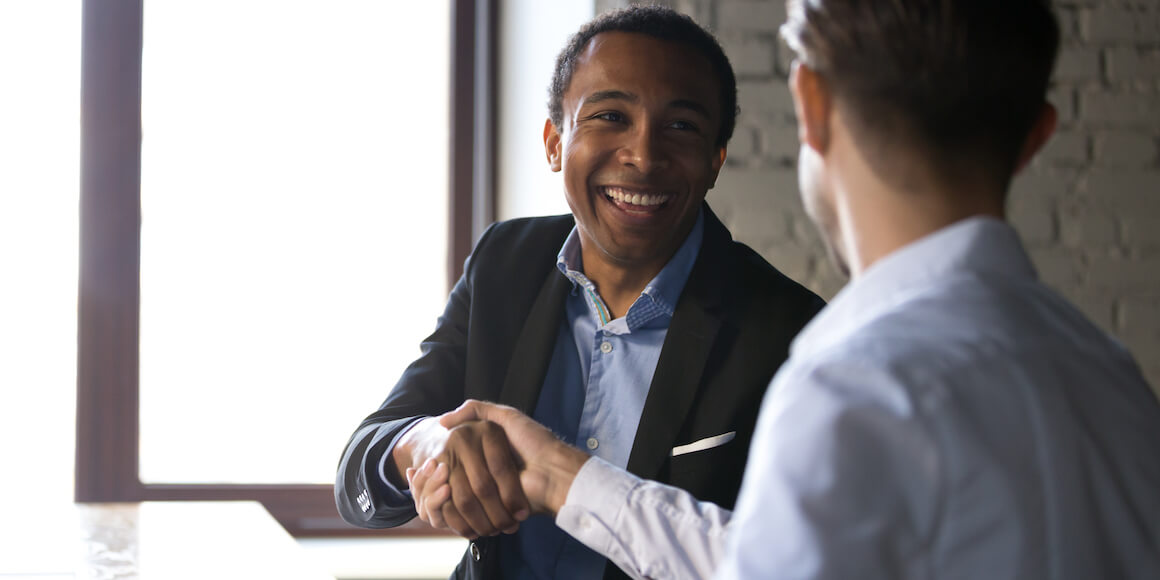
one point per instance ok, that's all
(572, 318)
(947, 415)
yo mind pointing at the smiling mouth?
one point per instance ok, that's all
(636, 201)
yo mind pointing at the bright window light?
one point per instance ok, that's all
(294, 215)
(39, 173)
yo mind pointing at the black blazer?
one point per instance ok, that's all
(730, 331)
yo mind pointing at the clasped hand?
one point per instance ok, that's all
(496, 467)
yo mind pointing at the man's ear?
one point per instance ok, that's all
(717, 162)
(812, 105)
(1040, 132)
(552, 144)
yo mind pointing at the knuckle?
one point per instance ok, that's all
(503, 470)
(484, 490)
(463, 504)
(513, 504)
(453, 521)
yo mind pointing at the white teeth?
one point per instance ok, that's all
(641, 199)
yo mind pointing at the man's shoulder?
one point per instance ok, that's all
(968, 330)
(531, 228)
(753, 274)
(517, 245)
(747, 272)
(757, 268)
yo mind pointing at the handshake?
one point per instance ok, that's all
(483, 468)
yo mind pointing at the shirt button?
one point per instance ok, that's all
(474, 551)
(606, 347)
(592, 443)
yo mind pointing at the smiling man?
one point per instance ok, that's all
(637, 137)
(947, 415)
(635, 327)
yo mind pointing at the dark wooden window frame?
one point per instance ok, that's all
(107, 424)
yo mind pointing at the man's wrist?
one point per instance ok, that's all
(560, 467)
(410, 449)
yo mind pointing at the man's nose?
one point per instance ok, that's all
(644, 150)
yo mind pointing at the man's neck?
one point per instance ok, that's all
(878, 211)
(619, 283)
(876, 220)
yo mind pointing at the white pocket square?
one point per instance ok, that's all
(703, 444)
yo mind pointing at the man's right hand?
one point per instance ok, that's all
(485, 493)
(548, 464)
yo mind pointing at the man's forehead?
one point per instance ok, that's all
(612, 60)
(616, 45)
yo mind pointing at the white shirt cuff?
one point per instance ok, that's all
(598, 496)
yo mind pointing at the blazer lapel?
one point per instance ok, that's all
(533, 349)
(687, 348)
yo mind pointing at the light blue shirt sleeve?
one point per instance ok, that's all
(648, 529)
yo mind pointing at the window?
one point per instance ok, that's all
(294, 231)
(39, 139)
(237, 200)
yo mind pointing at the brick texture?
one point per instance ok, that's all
(1088, 207)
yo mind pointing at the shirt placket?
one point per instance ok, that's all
(588, 436)
(596, 422)
(599, 362)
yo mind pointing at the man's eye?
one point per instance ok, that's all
(612, 116)
(683, 126)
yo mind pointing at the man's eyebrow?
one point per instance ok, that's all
(612, 95)
(691, 105)
(615, 95)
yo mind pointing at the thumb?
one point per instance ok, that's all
(470, 410)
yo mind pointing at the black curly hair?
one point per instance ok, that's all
(658, 22)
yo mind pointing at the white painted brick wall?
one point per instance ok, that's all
(1088, 207)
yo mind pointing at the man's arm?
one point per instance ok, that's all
(650, 530)
(371, 489)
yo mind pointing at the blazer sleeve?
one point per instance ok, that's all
(432, 385)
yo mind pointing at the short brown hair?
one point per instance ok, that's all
(960, 81)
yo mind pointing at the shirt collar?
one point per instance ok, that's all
(978, 245)
(663, 290)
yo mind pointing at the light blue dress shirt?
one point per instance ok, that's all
(594, 392)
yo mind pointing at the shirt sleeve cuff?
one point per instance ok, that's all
(392, 496)
(598, 496)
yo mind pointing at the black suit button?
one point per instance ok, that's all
(474, 552)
